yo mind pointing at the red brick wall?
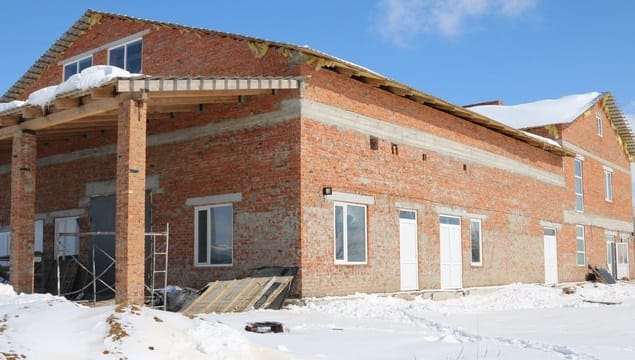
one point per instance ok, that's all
(509, 203)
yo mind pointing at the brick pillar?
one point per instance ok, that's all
(23, 166)
(130, 217)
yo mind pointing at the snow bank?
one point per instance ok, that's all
(91, 77)
(539, 113)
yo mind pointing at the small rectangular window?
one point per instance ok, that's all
(598, 124)
(579, 197)
(580, 246)
(214, 229)
(127, 57)
(76, 67)
(608, 185)
(476, 240)
(549, 232)
(350, 233)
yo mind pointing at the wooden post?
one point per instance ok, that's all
(130, 217)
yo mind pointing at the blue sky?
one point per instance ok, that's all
(463, 51)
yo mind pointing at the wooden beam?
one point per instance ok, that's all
(371, 80)
(66, 103)
(31, 112)
(346, 71)
(205, 93)
(8, 120)
(193, 100)
(103, 92)
(94, 108)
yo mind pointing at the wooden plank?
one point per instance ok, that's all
(103, 92)
(193, 100)
(8, 120)
(66, 103)
(95, 108)
(205, 93)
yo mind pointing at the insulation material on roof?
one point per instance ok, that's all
(540, 113)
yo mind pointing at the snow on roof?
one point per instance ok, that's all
(91, 77)
(540, 113)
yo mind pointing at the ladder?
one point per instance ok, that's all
(159, 282)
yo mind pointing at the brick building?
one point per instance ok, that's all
(259, 153)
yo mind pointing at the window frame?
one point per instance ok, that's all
(125, 45)
(208, 237)
(598, 124)
(579, 252)
(76, 63)
(56, 248)
(579, 195)
(345, 260)
(608, 184)
(6, 235)
(480, 243)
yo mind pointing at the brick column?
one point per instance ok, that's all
(23, 166)
(130, 217)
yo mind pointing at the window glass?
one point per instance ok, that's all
(579, 197)
(356, 233)
(85, 63)
(580, 246)
(75, 67)
(70, 70)
(350, 233)
(117, 57)
(5, 248)
(133, 57)
(549, 232)
(598, 121)
(450, 220)
(408, 215)
(202, 236)
(214, 235)
(66, 239)
(339, 232)
(475, 235)
(608, 185)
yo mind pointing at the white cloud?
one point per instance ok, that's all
(399, 21)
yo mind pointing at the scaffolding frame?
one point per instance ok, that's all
(155, 251)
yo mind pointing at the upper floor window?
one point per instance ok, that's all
(77, 66)
(579, 197)
(598, 124)
(580, 246)
(127, 56)
(608, 184)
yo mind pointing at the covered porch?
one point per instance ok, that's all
(124, 105)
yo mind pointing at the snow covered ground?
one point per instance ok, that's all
(510, 322)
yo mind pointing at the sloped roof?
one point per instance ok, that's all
(540, 113)
(312, 57)
(561, 111)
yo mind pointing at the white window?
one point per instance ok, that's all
(580, 245)
(214, 235)
(477, 242)
(598, 124)
(66, 239)
(127, 56)
(77, 66)
(579, 197)
(608, 184)
(350, 233)
(5, 248)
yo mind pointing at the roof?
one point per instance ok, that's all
(540, 113)
(561, 111)
(312, 57)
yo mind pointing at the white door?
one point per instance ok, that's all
(451, 259)
(408, 250)
(551, 256)
(610, 257)
(621, 251)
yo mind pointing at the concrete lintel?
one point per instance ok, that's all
(550, 224)
(350, 197)
(458, 211)
(584, 153)
(573, 217)
(108, 187)
(214, 199)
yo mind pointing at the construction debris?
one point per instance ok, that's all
(265, 327)
(602, 302)
(601, 275)
(241, 295)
